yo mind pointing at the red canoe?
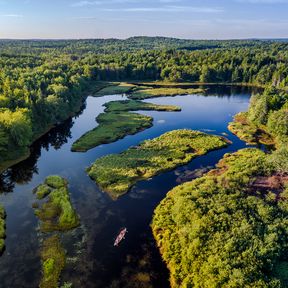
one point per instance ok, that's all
(121, 236)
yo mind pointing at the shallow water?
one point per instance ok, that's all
(92, 259)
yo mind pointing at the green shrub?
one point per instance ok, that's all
(55, 181)
(42, 191)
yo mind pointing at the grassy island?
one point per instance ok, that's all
(145, 93)
(117, 123)
(114, 88)
(134, 105)
(115, 174)
(227, 228)
(2, 229)
(112, 127)
(55, 211)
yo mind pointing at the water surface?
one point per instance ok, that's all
(92, 259)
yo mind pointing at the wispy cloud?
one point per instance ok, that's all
(85, 3)
(12, 15)
(172, 9)
(101, 2)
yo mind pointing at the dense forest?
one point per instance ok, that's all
(43, 82)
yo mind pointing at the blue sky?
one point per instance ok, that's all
(193, 19)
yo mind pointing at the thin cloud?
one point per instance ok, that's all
(173, 9)
(12, 15)
(86, 3)
(93, 3)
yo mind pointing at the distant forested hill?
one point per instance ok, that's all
(117, 45)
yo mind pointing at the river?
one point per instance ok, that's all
(92, 259)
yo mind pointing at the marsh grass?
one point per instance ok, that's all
(57, 213)
(145, 93)
(42, 191)
(53, 258)
(135, 105)
(112, 127)
(117, 173)
(114, 88)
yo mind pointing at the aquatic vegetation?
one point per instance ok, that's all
(115, 174)
(146, 93)
(112, 127)
(42, 191)
(249, 132)
(226, 228)
(55, 181)
(2, 229)
(134, 105)
(57, 213)
(115, 88)
(53, 258)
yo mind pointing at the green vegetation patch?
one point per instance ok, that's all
(134, 105)
(112, 127)
(115, 88)
(249, 132)
(42, 191)
(53, 260)
(57, 213)
(2, 229)
(146, 93)
(115, 174)
(55, 181)
(225, 229)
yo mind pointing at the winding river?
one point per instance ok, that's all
(92, 259)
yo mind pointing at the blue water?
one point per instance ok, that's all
(92, 259)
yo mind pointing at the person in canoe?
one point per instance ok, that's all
(120, 236)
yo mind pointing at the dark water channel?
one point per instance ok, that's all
(92, 259)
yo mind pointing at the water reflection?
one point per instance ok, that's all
(92, 259)
(23, 172)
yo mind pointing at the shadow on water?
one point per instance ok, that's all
(92, 259)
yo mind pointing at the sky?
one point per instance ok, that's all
(190, 19)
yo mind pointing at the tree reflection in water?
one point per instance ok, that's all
(22, 172)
